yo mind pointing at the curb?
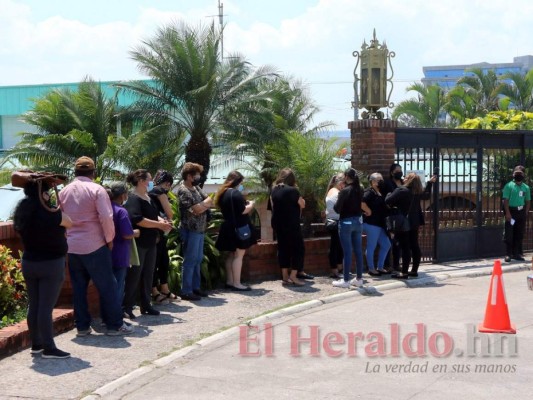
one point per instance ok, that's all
(109, 388)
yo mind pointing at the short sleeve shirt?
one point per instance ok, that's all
(285, 208)
(516, 194)
(138, 209)
(188, 198)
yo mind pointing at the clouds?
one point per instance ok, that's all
(312, 40)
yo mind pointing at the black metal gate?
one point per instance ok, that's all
(464, 218)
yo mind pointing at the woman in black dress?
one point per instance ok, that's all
(235, 210)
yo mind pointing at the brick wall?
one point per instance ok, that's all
(373, 145)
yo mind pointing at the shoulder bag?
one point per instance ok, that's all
(243, 232)
(397, 222)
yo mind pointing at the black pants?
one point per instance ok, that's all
(162, 262)
(143, 274)
(335, 254)
(410, 249)
(514, 234)
(43, 281)
(291, 249)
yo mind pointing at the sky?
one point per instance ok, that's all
(58, 41)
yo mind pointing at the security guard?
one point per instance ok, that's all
(516, 201)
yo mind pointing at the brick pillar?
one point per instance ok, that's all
(373, 145)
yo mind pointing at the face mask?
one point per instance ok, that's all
(164, 191)
(397, 175)
(381, 185)
(196, 181)
(519, 177)
(150, 185)
(240, 188)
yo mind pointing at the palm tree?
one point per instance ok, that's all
(426, 111)
(191, 87)
(520, 92)
(483, 88)
(69, 124)
(460, 105)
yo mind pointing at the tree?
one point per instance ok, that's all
(518, 93)
(460, 105)
(191, 86)
(426, 111)
(483, 88)
(69, 124)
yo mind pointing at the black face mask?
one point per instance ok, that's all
(519, 177)
(381, 185)
(397, 175)
(196, 181)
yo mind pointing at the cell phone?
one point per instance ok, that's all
(436, 171)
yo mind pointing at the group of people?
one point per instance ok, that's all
(118, 239)
(352, 212)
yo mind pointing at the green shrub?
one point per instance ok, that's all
(13, 298)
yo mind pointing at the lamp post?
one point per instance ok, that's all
(372, 80)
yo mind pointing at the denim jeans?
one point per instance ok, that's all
(95, 266)
(351, 236)
(193, 253)
(120, 276)
(376, 235)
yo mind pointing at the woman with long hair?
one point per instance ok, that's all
(391, 183)
(407, 199)
(374, 225)
(350, 208)
(43, 263)
(335, 256)
(235, 210)
(163, 181)
(144, 216)
(287, 205)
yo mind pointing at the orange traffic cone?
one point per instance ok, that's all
(497, 314)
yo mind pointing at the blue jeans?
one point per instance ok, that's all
(376, 235)
(95, 266)
(192, 245)
(351, 236)
(120, 276)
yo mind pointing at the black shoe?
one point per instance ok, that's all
(413, 274)
(128, 314)
(200, 292)
(149, 311)
(303, 275)
(244, 289)
(228, 286)
(55, 353)
(507, 259)
(190, 297)
(400, 276)
(36, 349)
(383, 272)
(373, 273)
(519, 258)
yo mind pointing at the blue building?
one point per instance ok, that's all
(446, 76)
(17, 100)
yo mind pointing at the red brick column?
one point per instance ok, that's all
(373, 145)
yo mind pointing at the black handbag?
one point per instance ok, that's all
(397, 222)
(332, 225)
(243, 232)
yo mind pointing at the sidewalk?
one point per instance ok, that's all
(118, 363)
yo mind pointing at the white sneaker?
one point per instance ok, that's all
(123, 330)
(356, 282)
(341, 283)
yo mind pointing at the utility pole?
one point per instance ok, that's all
(221, 22)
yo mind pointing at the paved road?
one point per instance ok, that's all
(443, 311)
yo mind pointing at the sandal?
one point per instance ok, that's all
(170, 296)
(159, 298)
(290, 282)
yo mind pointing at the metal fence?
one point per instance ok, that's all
(463, 217)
